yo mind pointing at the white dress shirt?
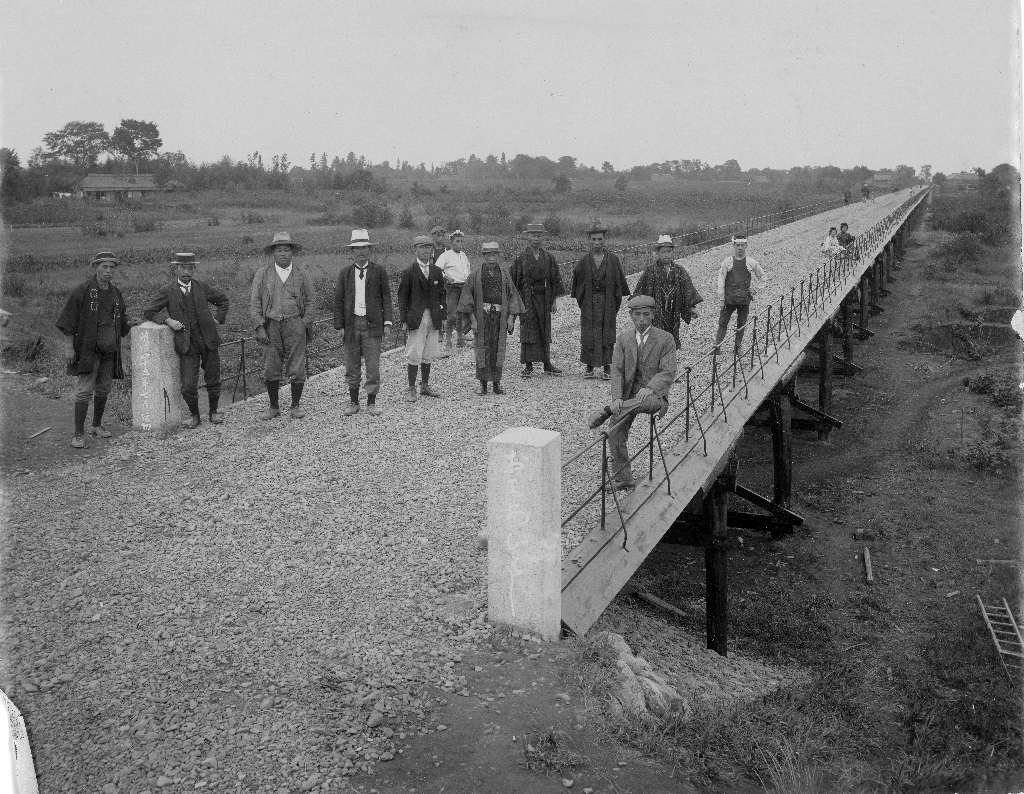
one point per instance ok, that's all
(185, 288)
(456, 266)
(283, 272)
(360, 293)
(425, 268)
(641, 339)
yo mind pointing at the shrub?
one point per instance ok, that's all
(476, 221)
(522, 221)
(553, 225)
(406, 219)
(140, 224)
(253, 217)
(213, 220)
(960, 250)
(15, 286)
(247, 239)
(371, 213)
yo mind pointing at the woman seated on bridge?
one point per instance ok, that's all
(831, 245)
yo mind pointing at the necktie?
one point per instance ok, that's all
(362, 272)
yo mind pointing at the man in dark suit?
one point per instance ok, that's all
(643, 371)
(422, 312)
(362, 311)
(196, 339)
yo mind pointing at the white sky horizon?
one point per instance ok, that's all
(805, 82)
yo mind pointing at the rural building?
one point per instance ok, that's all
(107, 187)
(882, 180)
(965, 180)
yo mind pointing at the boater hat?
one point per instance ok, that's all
(664, 241)
(282, 238)
(422, 239)
(488, 248)
(641, 302)
(105, 256)
(184, 259)
(360, 238)
(535, 227)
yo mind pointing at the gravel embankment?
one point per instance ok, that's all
(266, 606)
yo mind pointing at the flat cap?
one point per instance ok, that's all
(437, 229)
(422, 239)
(641, 302)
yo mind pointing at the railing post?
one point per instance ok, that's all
(689, 400)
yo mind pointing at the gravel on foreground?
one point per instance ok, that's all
(274, 606)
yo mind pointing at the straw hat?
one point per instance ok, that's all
(664, 241)
(360, 238)
(282, 238)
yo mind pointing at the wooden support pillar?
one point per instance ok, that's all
(847, 309)
(890, 266)
(825, 376)
(715, 511)
(780, 412)
(865, 300)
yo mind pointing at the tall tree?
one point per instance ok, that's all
(81, 142)
(136, 141)
(10, 176)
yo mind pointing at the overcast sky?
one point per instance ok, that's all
(770, 84)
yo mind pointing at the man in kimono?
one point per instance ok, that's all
(643, 371)
(490, 303)
(93, 323)
(671, 287)
(536, 277)
(187, 301)
(598, 285)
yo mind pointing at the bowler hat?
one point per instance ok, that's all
(488, 248)
(282, 238)
(184, 259)
(360, 238)
(535, 227)
(422, 239)
(664, 241)
(597, 227)
(105, 256)
(641, 302)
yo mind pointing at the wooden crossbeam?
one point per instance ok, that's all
(779, 512)
(821, 416)
(862, 332)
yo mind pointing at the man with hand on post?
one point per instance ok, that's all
(421, 310)
(455, 266)
(93, 323)
(643, 371)
(362, 312)
(281, 309)
(536, 277)
(490, 303)
(196, 340)
(739, 278)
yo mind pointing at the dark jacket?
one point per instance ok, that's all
(416, 293)
(79, 319)
(171, 298)
(378, 299)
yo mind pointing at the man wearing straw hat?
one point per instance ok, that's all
(675, 297)
(643, 371)
(93, 323)
(490, 303)
(281, 309)
(536, 277)
(421, 310)
(196, 340)
(362, 312)
(598, 285)
(455, 266)
(739, 278)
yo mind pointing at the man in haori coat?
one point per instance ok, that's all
(490, 303)
(598, 285)
(535, 274)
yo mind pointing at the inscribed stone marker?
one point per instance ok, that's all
(156, 378)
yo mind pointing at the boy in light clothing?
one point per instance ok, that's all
(739, 279)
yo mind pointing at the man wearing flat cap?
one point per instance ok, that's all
(675, 297)
(739, 278)
(598, 285)
(535, 274)
(362, 312)
(93, 323)
(490, 304)
(281, 310)
(422, 312)
(643, 371)
(454, 264)
(196, 340)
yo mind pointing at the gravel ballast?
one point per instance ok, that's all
(273, 606)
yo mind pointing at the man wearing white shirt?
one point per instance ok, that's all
(739, 279)
(455, 266)
(362, 312)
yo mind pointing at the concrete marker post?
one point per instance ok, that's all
(156, 378)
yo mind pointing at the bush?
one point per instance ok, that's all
(991, 218)
(522, 222)
(960, 250)
(140, 224)
(213, 220)
(406, 219)
(253, 217)
(553, 225)
(14, 285)
(371, 213)
(1003, 389)
(247, 239)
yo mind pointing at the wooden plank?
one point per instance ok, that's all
(867, 566)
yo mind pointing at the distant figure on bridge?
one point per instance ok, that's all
(421, 310)
(846, 240)
(831, 246)
(847, 196)
(93, 322)
(490, 304)
(739, 278)
(362, 312)
(598, 285)
(196, 340)
(281, 310)
(865, 191)
(455, 266)
(671, 287)
(536, 276)
(643, 370)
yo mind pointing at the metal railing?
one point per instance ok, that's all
(711, 386)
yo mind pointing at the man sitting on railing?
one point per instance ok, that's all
(643, 370)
